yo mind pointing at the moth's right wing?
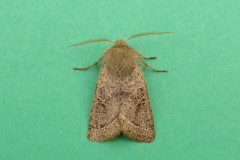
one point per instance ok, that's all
(103, 123)
(136, 114)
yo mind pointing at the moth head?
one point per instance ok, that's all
(119, 42)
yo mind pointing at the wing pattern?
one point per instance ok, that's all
(121, 106)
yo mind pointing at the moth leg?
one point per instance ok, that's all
(151, 57)
(147, 57)
(86, 67)
(154, 69)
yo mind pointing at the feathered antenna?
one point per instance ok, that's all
(90, 41)
(146, 33)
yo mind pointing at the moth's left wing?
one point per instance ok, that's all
(103, 123)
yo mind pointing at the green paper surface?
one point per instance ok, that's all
(45, 105)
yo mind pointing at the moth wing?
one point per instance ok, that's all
(103, 123)
(136, 115)
(121, 106)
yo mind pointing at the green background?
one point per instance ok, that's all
(45, 105)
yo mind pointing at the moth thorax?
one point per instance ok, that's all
(120, 61)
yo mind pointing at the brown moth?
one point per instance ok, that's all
(121, 102)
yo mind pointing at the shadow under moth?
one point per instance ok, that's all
(121, 102)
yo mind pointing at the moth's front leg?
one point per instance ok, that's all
(86, 67)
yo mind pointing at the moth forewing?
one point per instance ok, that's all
(121, 106)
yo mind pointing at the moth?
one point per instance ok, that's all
(121, 102)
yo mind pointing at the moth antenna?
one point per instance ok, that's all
(147, 33)
(90, 41)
